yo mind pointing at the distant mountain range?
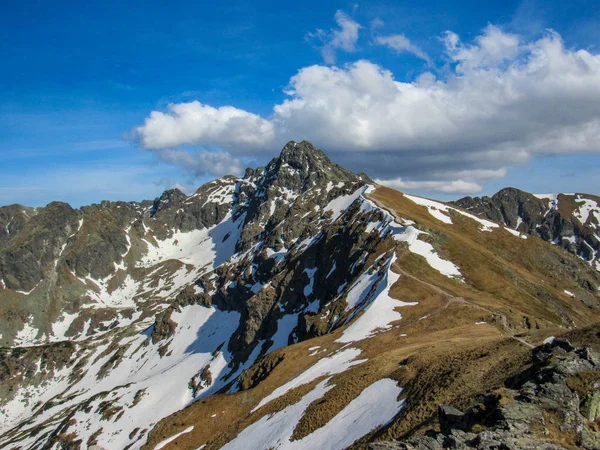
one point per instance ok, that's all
(571, 221)
(301, 306)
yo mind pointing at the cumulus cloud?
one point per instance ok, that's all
(490, 49)
(193, 122)
(345, 37)
(503, 102)
(401, 44)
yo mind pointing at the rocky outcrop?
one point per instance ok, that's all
(259, 371)
(12, 220)
(169, 199)
(208, 206)
(38, 243)
(294, 185)
(201, 380)
(571, 221)
(102, 240)
(164, 327)
(512, 207)
(552, 405)
(281, 206)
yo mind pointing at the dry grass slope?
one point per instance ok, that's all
(436, 352)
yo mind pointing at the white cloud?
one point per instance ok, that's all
(203, 163)
(491, 48)
(190, 123)
(504, 102)
(345, 37)
(401, 44)
(448, 187)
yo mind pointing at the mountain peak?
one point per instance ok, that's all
(169, 198)
(301, 166)
(295, 153)
(513, 194)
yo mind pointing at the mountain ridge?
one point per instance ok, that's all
(298, 282)
(571, 221)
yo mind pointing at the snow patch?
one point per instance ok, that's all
(375, 406)
(200, 248)
(586, 206)
(311, 279)
(410, 235)
(436, 209)
(277, 256)
(379, 312)
(339, 204)
(27, 336)
(337, 363)
(60, 328)
(361, 287)
(276, 430)
(285, 327)
(172, 438)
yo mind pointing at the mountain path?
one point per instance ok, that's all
(451, 299)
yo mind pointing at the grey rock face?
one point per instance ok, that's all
(101, 241)
(281, 206)
(291, 186)
(37, 244)
(12, 220)
(512, 207)
(169, 199)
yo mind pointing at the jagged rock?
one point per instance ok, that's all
(38, 243)
(13, 219)
(169, 199)
(259, 371)
(174, 211)
(452, 418)
(163, 327)
(102, 241)
(590, 407)
(201, 380)
(548, 394)
(273, 194)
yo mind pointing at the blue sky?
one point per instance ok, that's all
(81, 81)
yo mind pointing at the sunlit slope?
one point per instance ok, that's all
(456, 334)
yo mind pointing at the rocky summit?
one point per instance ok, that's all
(301, 306)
